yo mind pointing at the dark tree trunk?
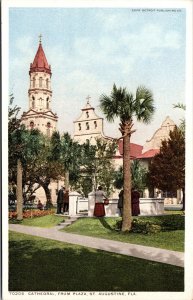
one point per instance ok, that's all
(45, 185)
(126, 219)
(48, 196)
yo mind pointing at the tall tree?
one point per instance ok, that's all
(125, 106)
(46, 166)
(167, 169)
(70, 156)
(138, 176)
(97, 163)
(24, 147)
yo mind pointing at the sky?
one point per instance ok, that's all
(90, 49)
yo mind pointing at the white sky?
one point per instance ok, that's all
(89, 49)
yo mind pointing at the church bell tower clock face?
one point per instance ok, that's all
(40, 95)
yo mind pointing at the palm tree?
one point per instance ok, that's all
(70, 152)
(125, 106)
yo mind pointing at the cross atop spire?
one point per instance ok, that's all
(40, 38)
(87, 98)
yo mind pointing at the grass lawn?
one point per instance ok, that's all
(45, 221)
(104, 228)
(38, 264)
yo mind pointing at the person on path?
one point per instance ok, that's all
(135, 195)
(39, 205)
(66, 201)
(99, 210)
(60, 200)
(120, 202)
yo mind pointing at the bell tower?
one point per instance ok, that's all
(88, 126)
(40, 115)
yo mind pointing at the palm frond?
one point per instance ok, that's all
(179, 105)
(111, 105)
(144, 104)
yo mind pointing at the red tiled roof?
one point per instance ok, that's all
(40, 63)
(135, 149)
(149, 153)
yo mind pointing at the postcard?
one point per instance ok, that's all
(97, 164)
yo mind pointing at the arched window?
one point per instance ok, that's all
(48, 129)
(95, 124)
(47, 83)
(31, 125)
(47, 103)
(40, 82)
(79, 126)
(87, 126)
(40, 102)
(34, 82)
(33, 102)
(87, 114)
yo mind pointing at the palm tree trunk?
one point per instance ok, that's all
(126, 219)
(19, 191)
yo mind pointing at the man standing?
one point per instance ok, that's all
(60, 199)
(66, 201)
(120, 202)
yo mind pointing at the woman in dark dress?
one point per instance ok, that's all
(135, 195)
(99, 210)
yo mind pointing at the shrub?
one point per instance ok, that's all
(31, 213)
(147, 225)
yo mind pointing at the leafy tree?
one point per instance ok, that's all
(94, 166)
(70, 156)
(55, 147)
(23, 146)
(125, 106)
(182, 124)
(83, 178)
(138, 176)
(97, 163)
(103, 163)
(167, 169)
(46, 166)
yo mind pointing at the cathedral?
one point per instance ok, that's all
(88, 126)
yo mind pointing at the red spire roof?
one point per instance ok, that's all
(40, 63)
